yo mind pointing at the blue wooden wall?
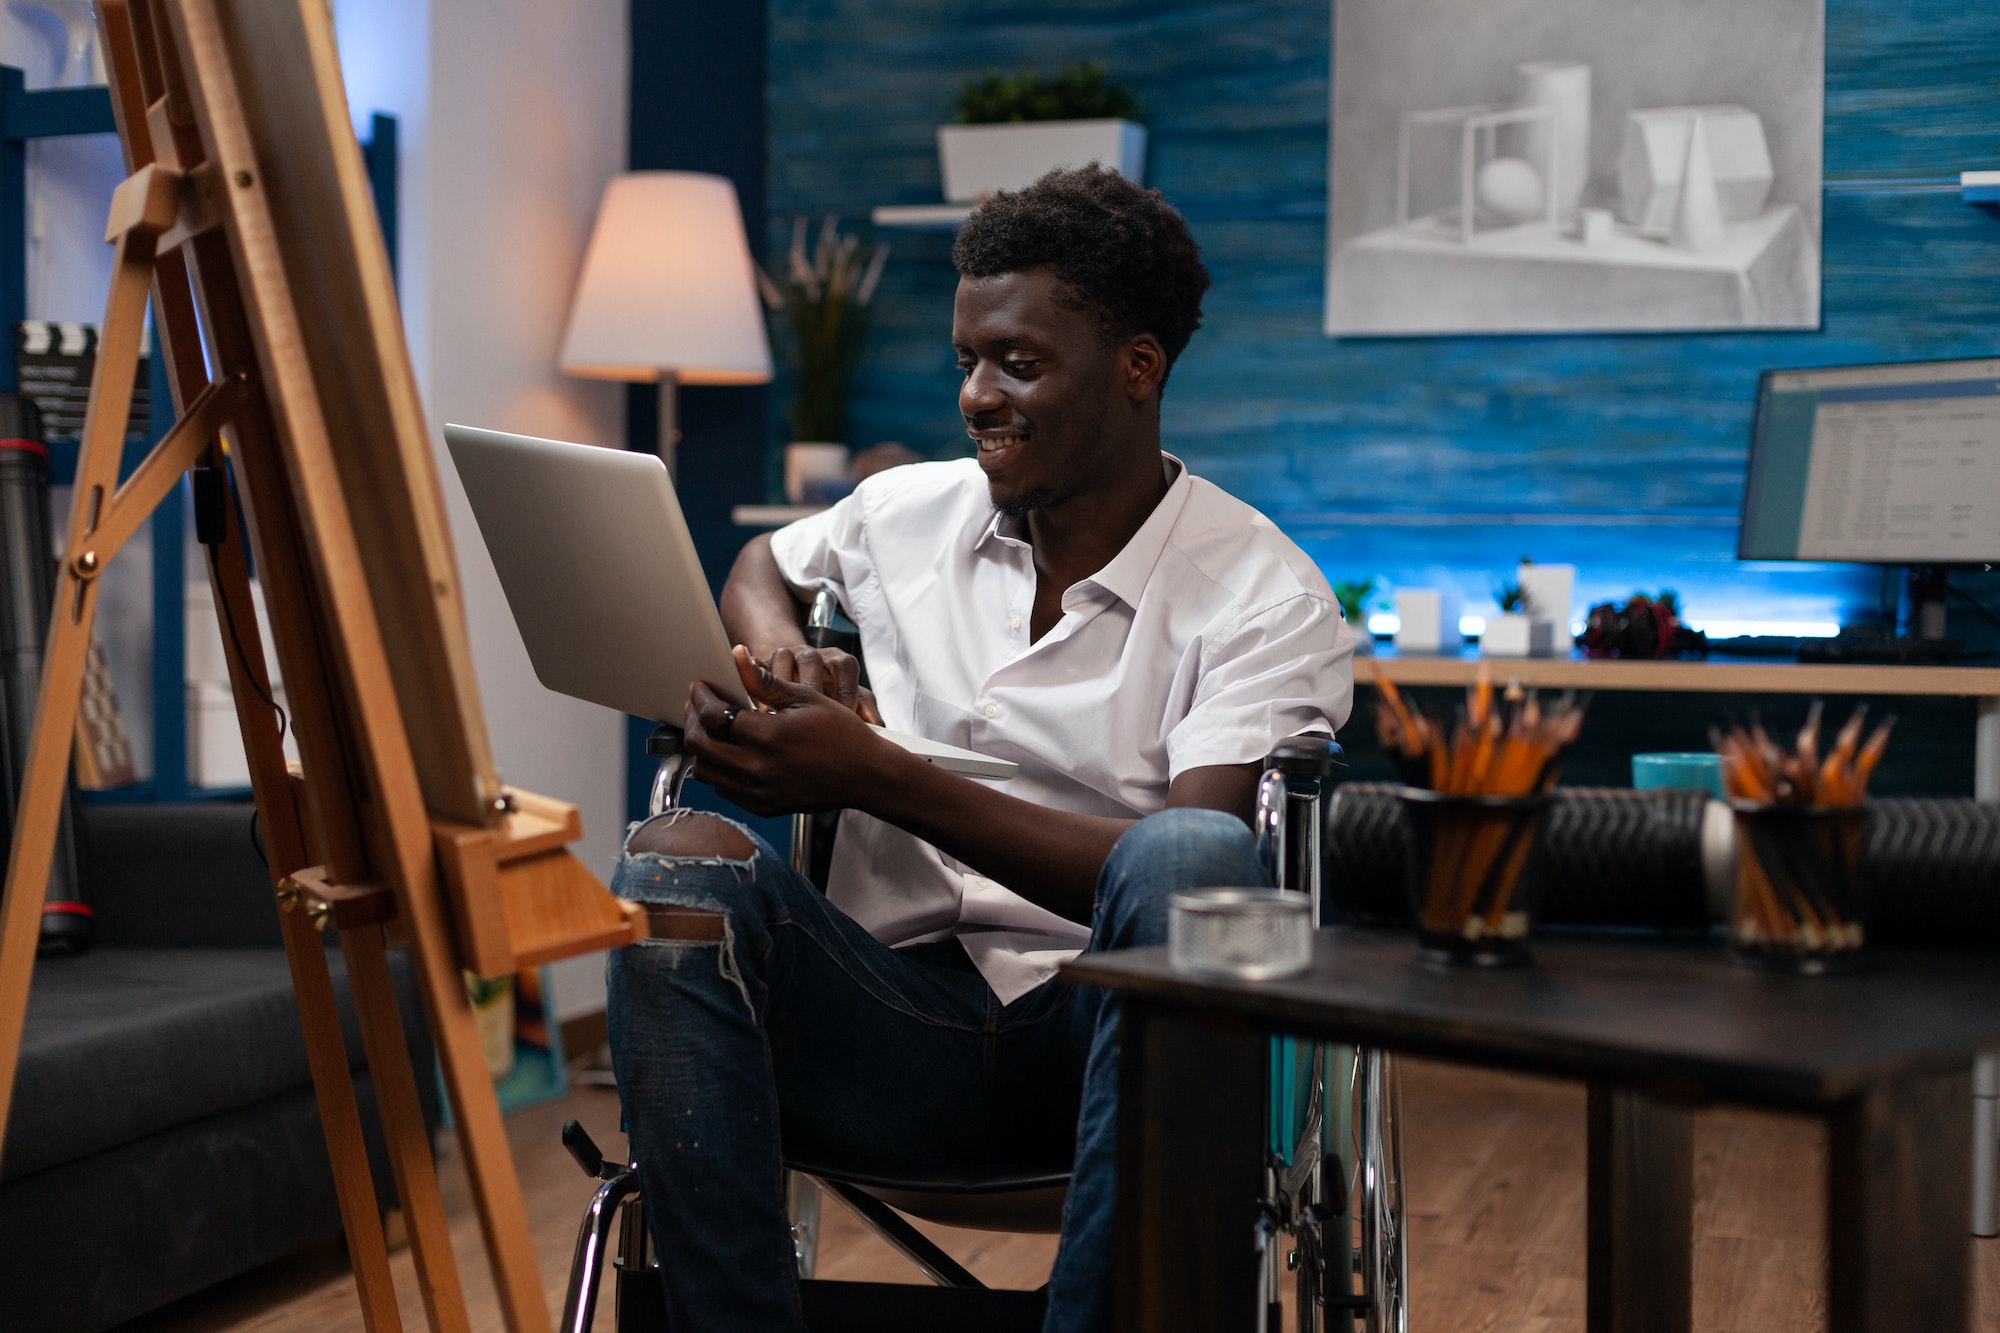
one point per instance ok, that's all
(1419, 460)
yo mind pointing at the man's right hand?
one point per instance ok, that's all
(832, 672)
(799, 749)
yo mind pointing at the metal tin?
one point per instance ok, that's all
(1253, 934)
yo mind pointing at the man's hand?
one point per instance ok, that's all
(829, 671)
(802, 749)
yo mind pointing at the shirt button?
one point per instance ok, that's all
(1013, 622)
(991, 710)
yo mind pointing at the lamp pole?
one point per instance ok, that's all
(670, 430)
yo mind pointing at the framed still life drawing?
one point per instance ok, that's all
(1520, 166)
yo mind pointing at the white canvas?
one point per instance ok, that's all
(1450, 118)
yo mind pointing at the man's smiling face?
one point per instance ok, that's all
(1042, 392)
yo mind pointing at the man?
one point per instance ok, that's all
(1073, 600)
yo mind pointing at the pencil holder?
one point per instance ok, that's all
(1801, 898)
(1466, 857)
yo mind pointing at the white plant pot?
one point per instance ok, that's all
(1509, 635)
(978, 160)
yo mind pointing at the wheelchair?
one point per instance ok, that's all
(1330, 1222)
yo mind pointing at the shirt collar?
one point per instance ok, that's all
(1126, 576)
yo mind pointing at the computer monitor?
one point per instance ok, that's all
(1887, 465)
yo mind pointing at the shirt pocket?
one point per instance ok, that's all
(941, 720)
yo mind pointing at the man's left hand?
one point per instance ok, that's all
(801, 750)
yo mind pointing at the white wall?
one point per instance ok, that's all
(527, 123)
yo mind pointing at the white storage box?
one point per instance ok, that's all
(1551, 594)
(215, 755)
(1427, 621)
(977, 160)
(203, 655)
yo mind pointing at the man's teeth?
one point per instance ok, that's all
(1001, 442)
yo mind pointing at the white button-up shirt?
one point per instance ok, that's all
(1207, 640)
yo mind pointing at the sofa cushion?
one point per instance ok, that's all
(122, 1043)
(176, 876)
(94, 1242)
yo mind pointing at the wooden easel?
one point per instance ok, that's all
(246, 214)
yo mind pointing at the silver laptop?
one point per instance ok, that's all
(604, 583)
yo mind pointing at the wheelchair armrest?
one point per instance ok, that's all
(827, 627)
(668, 745)
(1304, 759)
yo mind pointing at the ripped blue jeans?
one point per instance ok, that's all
(890, 1062)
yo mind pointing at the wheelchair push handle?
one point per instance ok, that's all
(583, 1149)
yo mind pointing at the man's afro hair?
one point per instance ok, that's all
(1115, 248)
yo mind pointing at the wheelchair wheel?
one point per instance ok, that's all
(1332, 1216)
(1384, 1258)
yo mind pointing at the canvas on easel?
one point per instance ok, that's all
(246, 215)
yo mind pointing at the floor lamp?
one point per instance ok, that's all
(668, 292)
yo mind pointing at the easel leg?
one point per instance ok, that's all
(326, 1051)
(496, 1189)
(68, 645)
(340, 1121)
(35, 823)
(403, 1124)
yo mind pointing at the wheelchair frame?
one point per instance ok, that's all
(1333, 1157)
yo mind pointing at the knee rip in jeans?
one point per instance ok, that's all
(692, 835)
(699, 837)
(679, 951)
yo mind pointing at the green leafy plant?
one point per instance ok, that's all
(484, 990)
(1353, 597)
(1079, 92)
(823, 293)
(1513, 598)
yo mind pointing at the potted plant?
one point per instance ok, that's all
(1517, 631)
(1012, 129)
(820, 298)
(1356, 598)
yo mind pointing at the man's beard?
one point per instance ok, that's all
(1018, 508)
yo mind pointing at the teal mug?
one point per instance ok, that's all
(1697, 770)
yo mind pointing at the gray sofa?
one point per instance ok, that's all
(164, 1134)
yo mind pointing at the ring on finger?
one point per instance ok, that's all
(728, 724)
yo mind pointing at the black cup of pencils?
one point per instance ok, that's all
(1801, 899)
(1475, 798)
(1466, 857)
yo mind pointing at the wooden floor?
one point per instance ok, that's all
(1496, 1197)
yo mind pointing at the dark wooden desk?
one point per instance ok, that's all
(1883, 1055)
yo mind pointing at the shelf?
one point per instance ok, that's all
(920, 217)
(1981, 189)
(771, 516)
(1714, 675)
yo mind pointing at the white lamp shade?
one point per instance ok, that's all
(668, 285)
